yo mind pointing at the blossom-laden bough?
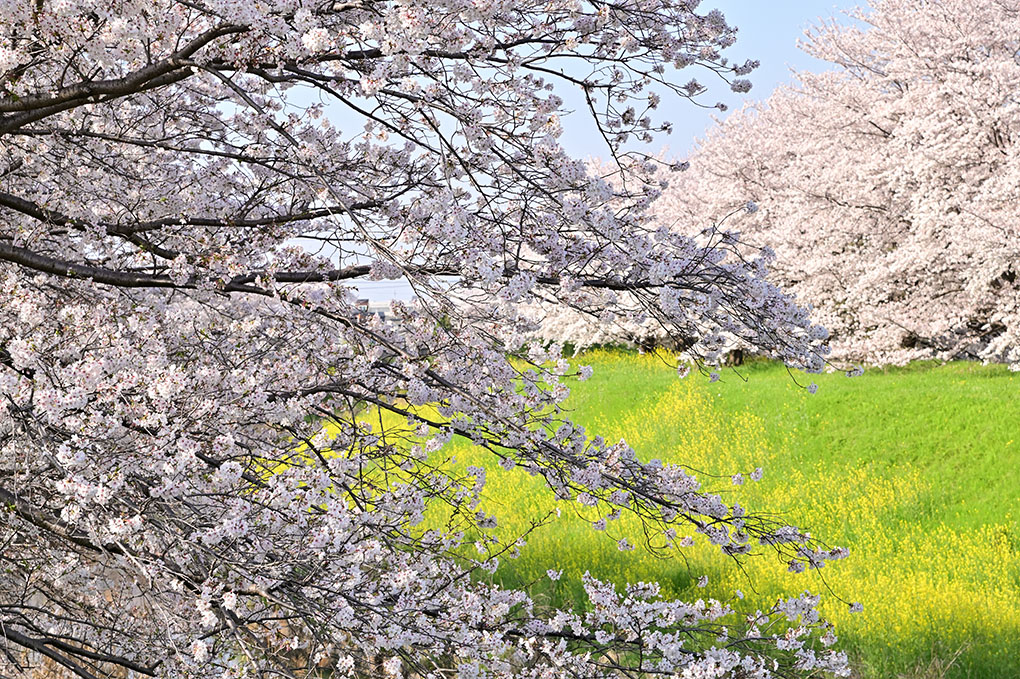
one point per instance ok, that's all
(188, 484)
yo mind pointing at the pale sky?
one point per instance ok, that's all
(768, 31)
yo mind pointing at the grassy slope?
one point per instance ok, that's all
(917, 470)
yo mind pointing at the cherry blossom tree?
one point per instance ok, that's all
(888, 185)
(200, 474)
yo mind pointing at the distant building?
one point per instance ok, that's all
(367, 309)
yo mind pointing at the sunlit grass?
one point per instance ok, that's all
(915, 470)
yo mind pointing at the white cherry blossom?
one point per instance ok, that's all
(214, 464)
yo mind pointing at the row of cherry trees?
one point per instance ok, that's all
(887, 188)
(889, 185)
(194, 479)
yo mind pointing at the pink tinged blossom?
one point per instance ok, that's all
(316, 40)
(742, 86)
(899, 239)
(200, 651)
(202, 424)
(392, 667)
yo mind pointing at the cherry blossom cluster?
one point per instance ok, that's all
(212, 464)
(887, 185)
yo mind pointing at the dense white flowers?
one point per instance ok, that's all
(200, 651)
(215, 463)
(887, 185)
(316, 40)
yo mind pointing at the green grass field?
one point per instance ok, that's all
(916, 470)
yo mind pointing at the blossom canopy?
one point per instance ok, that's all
(200, 474)
(887, 184)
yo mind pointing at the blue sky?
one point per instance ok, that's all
(768, 32)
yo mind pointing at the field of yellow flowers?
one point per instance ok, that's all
(915, 470)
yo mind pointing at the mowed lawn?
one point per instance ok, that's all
(916, 470)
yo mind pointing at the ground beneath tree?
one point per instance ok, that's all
(916, 470)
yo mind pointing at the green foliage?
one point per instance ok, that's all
(916, 470)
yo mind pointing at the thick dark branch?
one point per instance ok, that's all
(117, 86)
(53, 525)
(127, 279)
(56, 267)
(35, 107)
(487, 55)
(13, 122)
(31, 209)
(48, 216)
(304, 215)
(8, 634)
(45, 646)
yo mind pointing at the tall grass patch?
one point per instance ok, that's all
(916, 470)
